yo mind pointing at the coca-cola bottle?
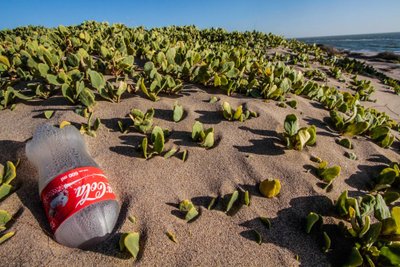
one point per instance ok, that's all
(79, 203)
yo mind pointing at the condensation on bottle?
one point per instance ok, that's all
(79, 202)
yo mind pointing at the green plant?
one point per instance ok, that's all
(316, 75)
(372, 239)
(230, 114)
(154, 146)
(327, 174)
(97, 80)
(353, 125)
(266, 222)
(6, 236)
(382, 136)
(336, 73)
(246, 198)
(204, 136)
(212, 203)
(363, 88)
(77, 91)
(177, 112)
(232, 199)
(312, 219)
(4, 63)
(142, 121)
(190, 210)
(184, 155)
(371, 230)
(63, 124)
(257, 236)
(395, 84)
(213, 100)
(7, 174)
(365, 121)
(123, 128)
(171, 152)
(292, 103)
(90, 127)
(75, 62)
(130, 241)
(171, 236)
(281, 105)
(296, 137)
(8, 96)
(105, 88)
(157, 82)
(228, 70)
(48, 114)
(345, 142)
(270, 188)
(116, 62)
(351, 155)
(389, 177)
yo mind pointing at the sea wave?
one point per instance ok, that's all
(355, 40)
(374, 43)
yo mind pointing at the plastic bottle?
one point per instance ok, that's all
(79, 203)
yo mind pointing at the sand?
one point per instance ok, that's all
(246, 153)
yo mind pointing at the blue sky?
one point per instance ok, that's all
(291, 18)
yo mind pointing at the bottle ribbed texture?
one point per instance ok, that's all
(54, 151)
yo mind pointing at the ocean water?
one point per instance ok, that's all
(364, 43)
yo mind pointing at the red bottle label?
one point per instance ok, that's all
(72, 191)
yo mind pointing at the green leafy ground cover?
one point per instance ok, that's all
(95, 62)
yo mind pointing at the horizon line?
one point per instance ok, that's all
(340, 35)
(215, 27)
